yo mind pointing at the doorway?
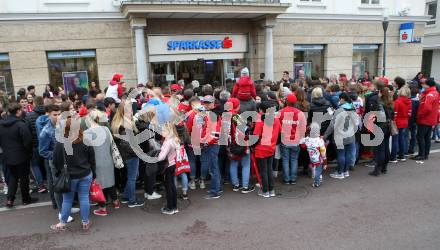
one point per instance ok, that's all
(204, 71)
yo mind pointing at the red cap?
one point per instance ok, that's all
(235, 102)
(384, 80)
(175, 87)
(291, 98)
(117, 77)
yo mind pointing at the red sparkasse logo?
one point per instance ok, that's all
(227, 43)
(404, 36)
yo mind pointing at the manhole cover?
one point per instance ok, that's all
(154, 206)
(291, 192)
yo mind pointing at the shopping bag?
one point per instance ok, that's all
(96, 194)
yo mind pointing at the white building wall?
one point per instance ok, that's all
(435, 67)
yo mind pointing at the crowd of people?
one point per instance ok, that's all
(186, 135)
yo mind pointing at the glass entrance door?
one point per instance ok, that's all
(204, 71)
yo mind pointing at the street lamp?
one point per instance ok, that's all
(385, 23)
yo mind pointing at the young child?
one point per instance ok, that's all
(316, 148)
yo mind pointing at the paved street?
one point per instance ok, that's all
(396, 211)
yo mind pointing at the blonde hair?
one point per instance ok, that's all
(97, 116)
(404, 91)
(121, 119)
(171, 132)
(317, 92)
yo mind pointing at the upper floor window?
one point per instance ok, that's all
(370, 1)
(431, 10)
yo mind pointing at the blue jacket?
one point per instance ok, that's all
(333, 99)
(41, 121)
(47, 141)
(415, 106)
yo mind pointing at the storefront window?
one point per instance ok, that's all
(163, 72)
(365, 58)
(6, 84)
(72, 68)
(309, 58)
(233, 68)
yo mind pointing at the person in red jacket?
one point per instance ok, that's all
(402, 114)
(293, 128)
(427, 117)
(268, 130)
(244, 90)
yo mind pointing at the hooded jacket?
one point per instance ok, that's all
(402, 111)
(319, 105)
(427, 113)
(15, 140)
(291, 117)
(352, 118)
(31, 119)
(266, 144)
(244, 89)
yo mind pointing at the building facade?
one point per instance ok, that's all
(431, 41)
(79, 41)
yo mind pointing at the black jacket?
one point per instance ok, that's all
(15, 140)
(147, 146)
(80, 164)
(319, 105)
(124, 146)
(31, 119)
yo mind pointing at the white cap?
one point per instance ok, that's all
(195, 84)
(245, 72)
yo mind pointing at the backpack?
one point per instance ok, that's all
(182, 162)
(236, 150)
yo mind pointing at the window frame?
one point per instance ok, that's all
(432, 21)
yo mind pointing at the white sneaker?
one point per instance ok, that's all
(275, 174)
(337, 176)
(257, 185)
(202, 184)
(70, 219)
(320, 179)
(272, 193)
(346, 174)
(74, 210)
(265, 195)
(154, 196)
(192, 185)
(393, 161)
(5, 189)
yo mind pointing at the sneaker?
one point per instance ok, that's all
(346, 174)
(401, 159)
(286, 182)
(185, 196)
(5, 190)
(264, 195)
(100, 212)
(320, 179)
(236, 188)
(167, 211)
(192, 185)
(202, 184)
(9, 204)
(42, 189)
(212, 196)
(124, 200)
(275, 174)
(316, 185)
(117, 204)
(74, 210)
(272, 193)
(30, 201)
(135, 204)
(337, 176)
(86, 226)
(393, 161)
(154, 196)
(370, 165)
(258, 185)
(292, 182)
(176, 211)
(92, 203)
(69, 219)
(247, 190)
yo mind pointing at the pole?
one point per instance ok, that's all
(384, 52)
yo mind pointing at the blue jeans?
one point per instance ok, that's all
(82, 187)
(317, 173)
(132, 165)
(394, 146)
(209, 160)
(245, 170)
(436, 132)
(400, 144)
(290, 162)
(35, 163)
(346, 157)
(183, 179)
(413, 139)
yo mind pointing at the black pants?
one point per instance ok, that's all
(19, 173)
(265, 167)
(424, 139)
(120, 179)
(109, 192)
(170, 187)
(150, 177)
(382, 153)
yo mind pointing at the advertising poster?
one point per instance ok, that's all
(306, 66)
(72, 80)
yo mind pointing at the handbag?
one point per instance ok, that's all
(393, 128)
(62, 182)
(116, 156)
(96, 193)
